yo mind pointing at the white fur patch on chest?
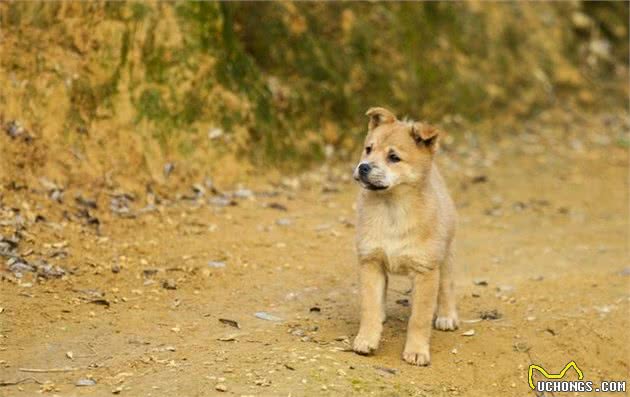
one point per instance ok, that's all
(389, 231)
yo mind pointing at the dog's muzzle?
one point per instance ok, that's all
(362, 174)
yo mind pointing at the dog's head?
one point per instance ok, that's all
(395, 152)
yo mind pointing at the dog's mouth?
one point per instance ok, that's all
(366, 184)
(370, 186)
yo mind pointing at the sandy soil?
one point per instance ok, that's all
(543, 221)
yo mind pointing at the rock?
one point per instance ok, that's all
(386, 370)
(521, 347)
(20, 267)
(470, 332)
(505, 288)
(284, 222)
(168, 169)
(266, 316)
(490, 314)
(221, 387)
(243, 193)
(85, 382)
(624, 272)
(221, 201)
(169, 284)
(216, 264)
(14, 129)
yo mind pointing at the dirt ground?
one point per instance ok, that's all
(141, 308)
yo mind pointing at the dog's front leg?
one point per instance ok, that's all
(424, 297)
(373, 280)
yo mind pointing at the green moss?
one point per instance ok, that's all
(151, 106)
(139, 11)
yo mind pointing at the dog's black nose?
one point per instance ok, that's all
(364, 169)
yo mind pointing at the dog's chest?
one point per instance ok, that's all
(387, 230)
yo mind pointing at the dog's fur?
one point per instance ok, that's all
(406, 224)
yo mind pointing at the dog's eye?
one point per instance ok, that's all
(393, 158)
(368, 150)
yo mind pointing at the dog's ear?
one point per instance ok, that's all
(379, 116)
(425, 135)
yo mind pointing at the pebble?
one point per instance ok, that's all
(169, 284)
(243, 193)
(221, 387)
(284, 222)
(505, 288)
(266, 316)
(221, 202)
(86, 382)
(470, 332)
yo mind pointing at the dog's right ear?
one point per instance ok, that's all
(379, 116)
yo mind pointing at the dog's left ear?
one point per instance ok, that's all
(379, 116)
(425, 135)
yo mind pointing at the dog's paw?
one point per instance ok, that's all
(365, 345)
(421, 358)
(446, 323)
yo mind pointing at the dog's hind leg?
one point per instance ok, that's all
(446, 314)
(384, 300)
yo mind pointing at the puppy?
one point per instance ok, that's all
(406, 223)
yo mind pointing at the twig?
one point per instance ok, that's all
(17, 382)
(44, 370)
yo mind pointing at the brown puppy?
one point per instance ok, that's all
(406, 224)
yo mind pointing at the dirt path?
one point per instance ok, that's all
(543, 223)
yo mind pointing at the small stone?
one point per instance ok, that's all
(470, 332)
(169, 284)
(168, 169)
(221, 202)
(86, 382)
(243, 193)
(505, 288)
(221, 387)
(267, 316)
(624, 272)
(490, 314)
(115, 268)
(284, 222)
(216, 264)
